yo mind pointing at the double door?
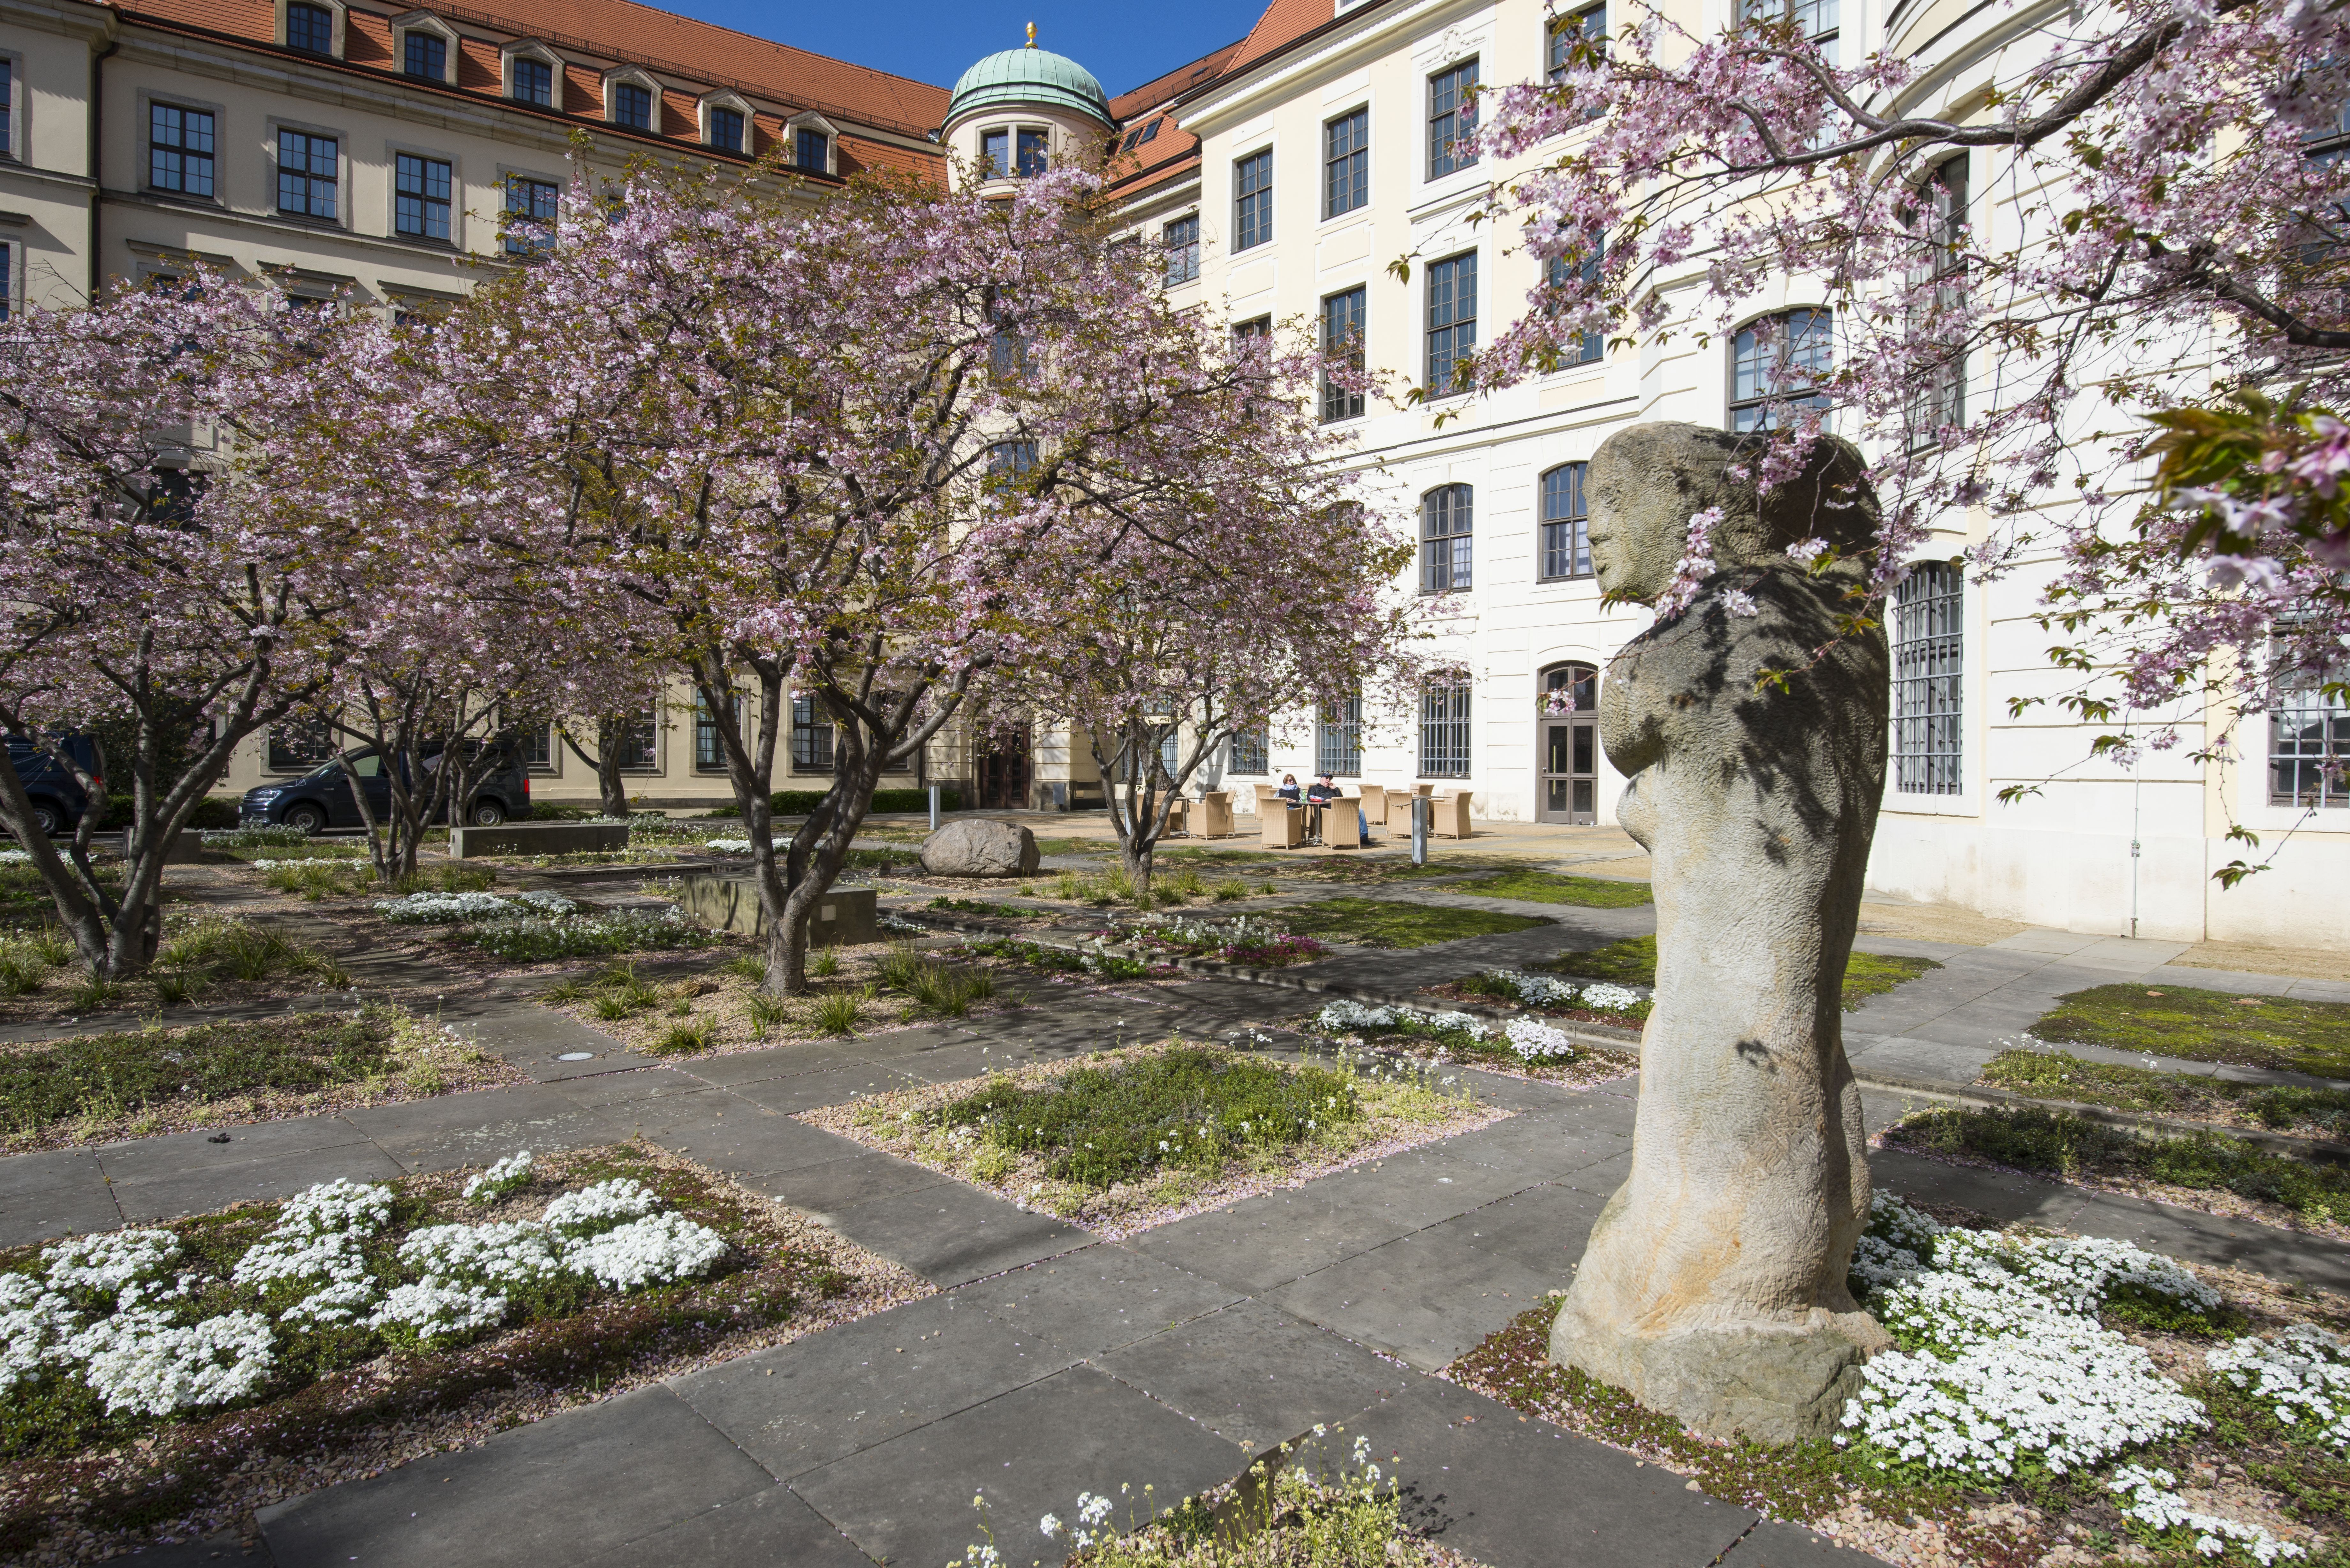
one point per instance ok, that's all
(1569, 786)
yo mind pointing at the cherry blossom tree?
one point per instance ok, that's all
(2114, 236)
(835, 452)
(149, 567)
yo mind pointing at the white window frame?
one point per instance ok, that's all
(423, 22)
(530, 50)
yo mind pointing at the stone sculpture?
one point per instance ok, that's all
(981, 846)
(1713, 1285)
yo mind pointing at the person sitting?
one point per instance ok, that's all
(1288, 790)
(1317, 793)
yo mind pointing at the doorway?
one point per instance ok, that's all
(1568, 788)
(1004, 769)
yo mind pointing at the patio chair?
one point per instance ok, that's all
(1284, 825)
(1451, 818)
(1215, 815)
(1375, 805)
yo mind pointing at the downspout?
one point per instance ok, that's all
(97, 185)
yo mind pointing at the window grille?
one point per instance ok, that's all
(310, 28)
(1775, 362)
(1347, 164)
(1445, 545)
(1928, 649)
(1338, 740)
(811, 735)
(726, 131)
(632, 106)
(179, 150)
(534, 82)
(1342, 332)
(1451, 324)
(1252, 753)
(2309, 745)
(1252, 201)
(425, 55)
(1451, 118)
(308, 175)
(1557, 272)
(1565, 524)
(1181, 241)
(420, 205)
(1445, 732)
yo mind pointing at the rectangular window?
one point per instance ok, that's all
(1451, 324)
(1342, 334)
(420, 206)
(2309, 745)
(1252, 753)
(1451, 118)
(7, 105)
(1566, 525)
(1252, 330)
(1938, 299)
(1035, 152)
(425, 55)
(534, 82)
(632, 106)
(179, 150)
(536, 744)
(1182, 242)
(1569, 31)
(1927, 644)
(1338, 740)
(1590, 348)
(1011, 459)
(812, 150)
(726, 130)
(1447, 545)
(308, 171)
(639, 743)
(1445, 732)
(1774, 364)
(811, 735)
(1252, 201)
(1815, 19)
(299, 745)
(7, 277)
(310, 28)
(995, 153)
(530, 215)
(1347, 164)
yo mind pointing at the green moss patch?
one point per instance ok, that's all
(1549, 887)
(2061, 1075)
(1381, 923)
(1633, 961)
(2279, 1032)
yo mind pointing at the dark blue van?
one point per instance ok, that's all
(57, 796)
(321, 798)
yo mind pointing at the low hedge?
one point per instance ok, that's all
(800, 801)
(214, 811)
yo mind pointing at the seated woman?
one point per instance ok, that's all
(1288, 790)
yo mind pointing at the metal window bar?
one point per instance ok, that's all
(1452, 323)
(1565, 524)
(1927, 663)
(1446, 546)
(1252, 753)
(1445, 732)
(1338, 740)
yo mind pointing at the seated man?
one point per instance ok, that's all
(1319, 793)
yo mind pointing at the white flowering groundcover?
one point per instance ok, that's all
(537, 927)
(1523, 1041)
(110, 1333)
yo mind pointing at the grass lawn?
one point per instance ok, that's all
(2060, 1143)
(314, 1395)
(2061, 1075)
(1633, 961)
(1123, 1139)
(137, 1083)
(1550, 887)
(25, 902)
(1381, 923)
(208, 957)
(2311, 1037)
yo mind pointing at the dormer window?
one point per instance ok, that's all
(726, 130)
(814, 140)
(309, 28)
(531, 80)
(633, 105)
(426, 55)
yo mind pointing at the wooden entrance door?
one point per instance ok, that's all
(1570, 771)
(1004, 769)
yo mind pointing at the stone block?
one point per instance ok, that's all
(538, 839)
(980, 847)
(846, 917)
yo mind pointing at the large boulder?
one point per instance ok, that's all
(979, 847)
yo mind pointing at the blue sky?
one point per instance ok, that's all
(1123, 44)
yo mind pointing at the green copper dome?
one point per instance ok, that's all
(1028, 76)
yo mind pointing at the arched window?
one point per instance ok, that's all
(1776, 362)
(1444, 543)
(1566, 525)
(1570, 689)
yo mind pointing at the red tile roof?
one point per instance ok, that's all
(1284, 23)
(1170, 149)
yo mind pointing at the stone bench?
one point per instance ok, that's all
(845, 917)
(538, 839)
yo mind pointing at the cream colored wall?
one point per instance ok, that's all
(45, 204)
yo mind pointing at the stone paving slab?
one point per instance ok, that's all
(1255, 1375)
(1774, 1543)
(1097, 1299)
(951, 1233)
(1542, 1229)
(1425, 1299)
(173, 1195)
(457, 1130)
(774, 1526)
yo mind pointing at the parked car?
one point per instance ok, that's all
(322, 798)
(57, 796)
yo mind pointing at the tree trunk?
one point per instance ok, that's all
(610, 788)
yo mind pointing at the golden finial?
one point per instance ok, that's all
(1032, 34)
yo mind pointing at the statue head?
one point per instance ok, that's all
(1646, 482)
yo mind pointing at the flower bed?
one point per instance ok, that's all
(1588, 1001)
(455, 908)
(539, 927)
(1121, 1140)
(1244, 940)
(170, 1379)
(1099, 962)
(1526, 1045)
